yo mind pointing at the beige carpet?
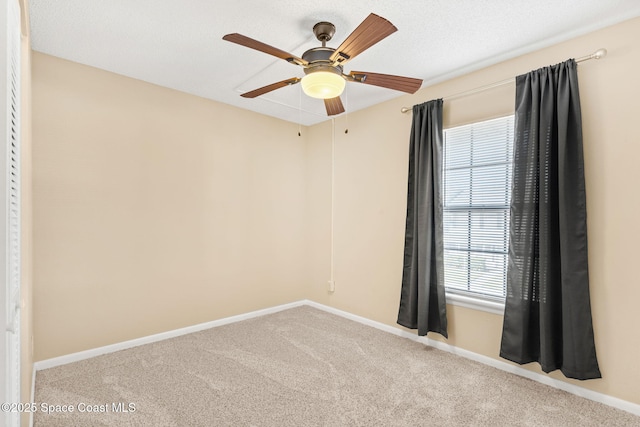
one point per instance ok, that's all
(303, 367)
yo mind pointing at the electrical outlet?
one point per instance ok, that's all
(332, 286)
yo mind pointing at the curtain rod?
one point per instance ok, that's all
(600, 53)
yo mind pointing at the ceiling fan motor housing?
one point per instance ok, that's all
(319, 60)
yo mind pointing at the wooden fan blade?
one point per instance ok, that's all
(334, 106)
(404, 84)
(269, 88)
(373, 29)
(262, 47)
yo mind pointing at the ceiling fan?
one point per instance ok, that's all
(323, 66)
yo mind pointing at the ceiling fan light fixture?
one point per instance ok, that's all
(323, 84)
(323, 66)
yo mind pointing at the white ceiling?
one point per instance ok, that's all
(178, 43)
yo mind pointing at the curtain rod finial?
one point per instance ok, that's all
(405, 110)
(600, 53)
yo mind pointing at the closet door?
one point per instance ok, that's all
(10, 196)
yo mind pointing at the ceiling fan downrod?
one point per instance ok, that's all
(324, 31)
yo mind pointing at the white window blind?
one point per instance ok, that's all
(477, 194)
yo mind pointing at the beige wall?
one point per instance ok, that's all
(370, 200)
(155, 210)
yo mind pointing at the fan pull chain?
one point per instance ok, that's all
(300, 112)
(346, 101)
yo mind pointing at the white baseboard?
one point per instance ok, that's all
(495, 363)
(499, 364)
(87, 354)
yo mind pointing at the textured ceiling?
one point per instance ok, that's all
(178, 43)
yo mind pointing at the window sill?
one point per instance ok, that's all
(475, 303)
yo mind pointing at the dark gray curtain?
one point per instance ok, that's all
(422, 300)
(547, 315)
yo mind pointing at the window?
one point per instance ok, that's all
(477, 194)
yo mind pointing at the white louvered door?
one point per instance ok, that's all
(10, 193)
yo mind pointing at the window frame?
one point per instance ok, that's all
(463, 298)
